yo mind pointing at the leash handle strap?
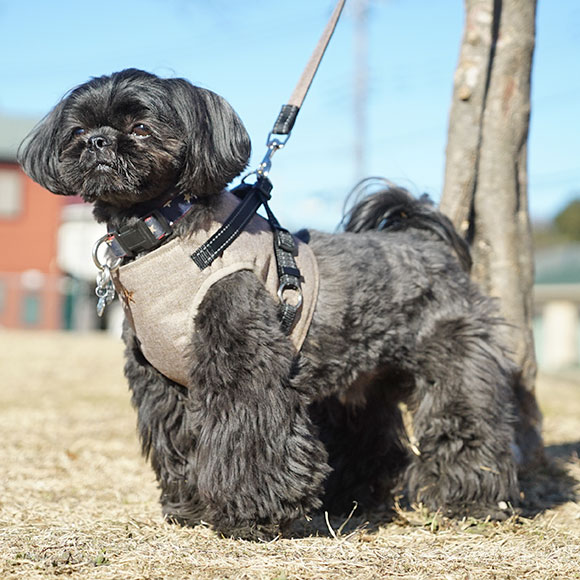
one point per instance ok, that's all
(289, 112)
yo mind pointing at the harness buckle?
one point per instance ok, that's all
(143, 235)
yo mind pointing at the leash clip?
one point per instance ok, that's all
(273, 144)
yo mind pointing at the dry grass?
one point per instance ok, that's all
(78, 500)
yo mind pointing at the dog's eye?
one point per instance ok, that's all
(141, 130)
(78, 132)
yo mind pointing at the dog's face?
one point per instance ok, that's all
(131, 137)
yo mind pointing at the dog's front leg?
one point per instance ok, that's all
(167, 433)
(259, 464)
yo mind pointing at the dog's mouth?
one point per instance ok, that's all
(103, 166)
(95, 179)
(103, 171)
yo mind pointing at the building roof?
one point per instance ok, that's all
(12, 132)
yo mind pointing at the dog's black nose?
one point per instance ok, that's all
(97, 142)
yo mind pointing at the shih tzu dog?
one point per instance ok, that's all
(249, 425)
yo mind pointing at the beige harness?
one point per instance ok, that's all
(161, 292)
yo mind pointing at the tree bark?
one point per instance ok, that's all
(485, 191)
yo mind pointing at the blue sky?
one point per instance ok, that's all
(252, 53)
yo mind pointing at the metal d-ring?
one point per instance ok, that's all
(96, 260)
(289, 286)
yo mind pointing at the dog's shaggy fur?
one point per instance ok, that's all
(264, 435)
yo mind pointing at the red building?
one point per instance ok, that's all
(30, 280)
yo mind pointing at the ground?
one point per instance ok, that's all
(77, 499)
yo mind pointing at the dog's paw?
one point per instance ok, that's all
(251, 532)
(499, 511)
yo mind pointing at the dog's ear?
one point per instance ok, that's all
(38, 154)
(218, 145)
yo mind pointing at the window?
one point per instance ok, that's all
(10, 193)
(32, 283)
(2, 296)
(30, 314)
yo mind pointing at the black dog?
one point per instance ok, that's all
(259, 434)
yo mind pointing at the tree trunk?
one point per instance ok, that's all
(485, 191)
(465, 122)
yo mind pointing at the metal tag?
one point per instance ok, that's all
(105, 290)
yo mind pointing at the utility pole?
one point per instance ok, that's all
(360, 88)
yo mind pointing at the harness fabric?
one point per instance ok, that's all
(161, 292)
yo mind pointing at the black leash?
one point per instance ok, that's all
(258, 194)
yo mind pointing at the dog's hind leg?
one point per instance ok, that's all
(166, 432)
(364, 440)
(258, 461)
(462, 418)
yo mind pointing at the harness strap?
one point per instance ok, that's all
(252, 198)
(288, 272)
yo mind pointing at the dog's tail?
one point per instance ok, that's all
(380, 205)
